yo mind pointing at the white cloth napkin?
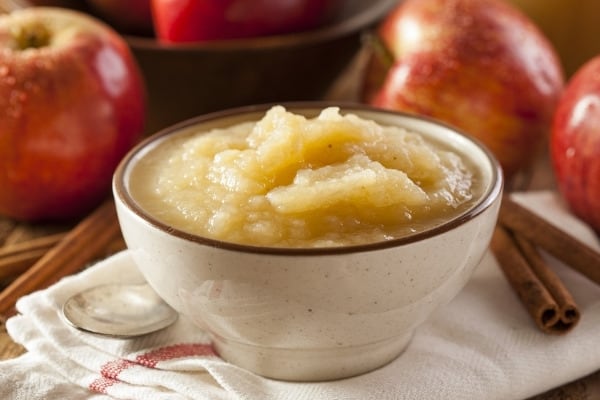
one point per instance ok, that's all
(483, 345)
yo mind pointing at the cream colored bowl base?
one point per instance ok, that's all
(311, 364)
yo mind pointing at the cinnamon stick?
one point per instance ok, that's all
(42, 242)
(547, 301)
(549, 237)
(568, 311)
(16, 258)
(78, 247)
(14, 265)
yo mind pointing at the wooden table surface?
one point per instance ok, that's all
(587, 388)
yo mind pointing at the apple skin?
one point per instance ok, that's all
(575, 143)
(479, 65)
(69, 110)
(129, 17)
(206, 20)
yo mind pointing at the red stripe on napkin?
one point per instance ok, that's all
(111, 370)
(101, 384)
(176, 351)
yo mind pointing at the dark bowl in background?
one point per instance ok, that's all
(189, 79)
(185, 80)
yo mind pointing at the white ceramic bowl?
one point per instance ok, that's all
(311, 314)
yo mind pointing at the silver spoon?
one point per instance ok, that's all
(118, 310)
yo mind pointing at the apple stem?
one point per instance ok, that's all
(32, 37)
(379, 49)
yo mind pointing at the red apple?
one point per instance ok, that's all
(131, 16)
(205, 20)
(72, 103)
(480, 65)
(575, 143)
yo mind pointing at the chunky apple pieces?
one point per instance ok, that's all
(295, 181)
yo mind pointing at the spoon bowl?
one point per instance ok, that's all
(118, 310)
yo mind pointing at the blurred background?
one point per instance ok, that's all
(573, 26)
(188, 79)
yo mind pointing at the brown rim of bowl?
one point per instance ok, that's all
(354, 23)
(486, 200)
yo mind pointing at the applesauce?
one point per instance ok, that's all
(292, 181)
